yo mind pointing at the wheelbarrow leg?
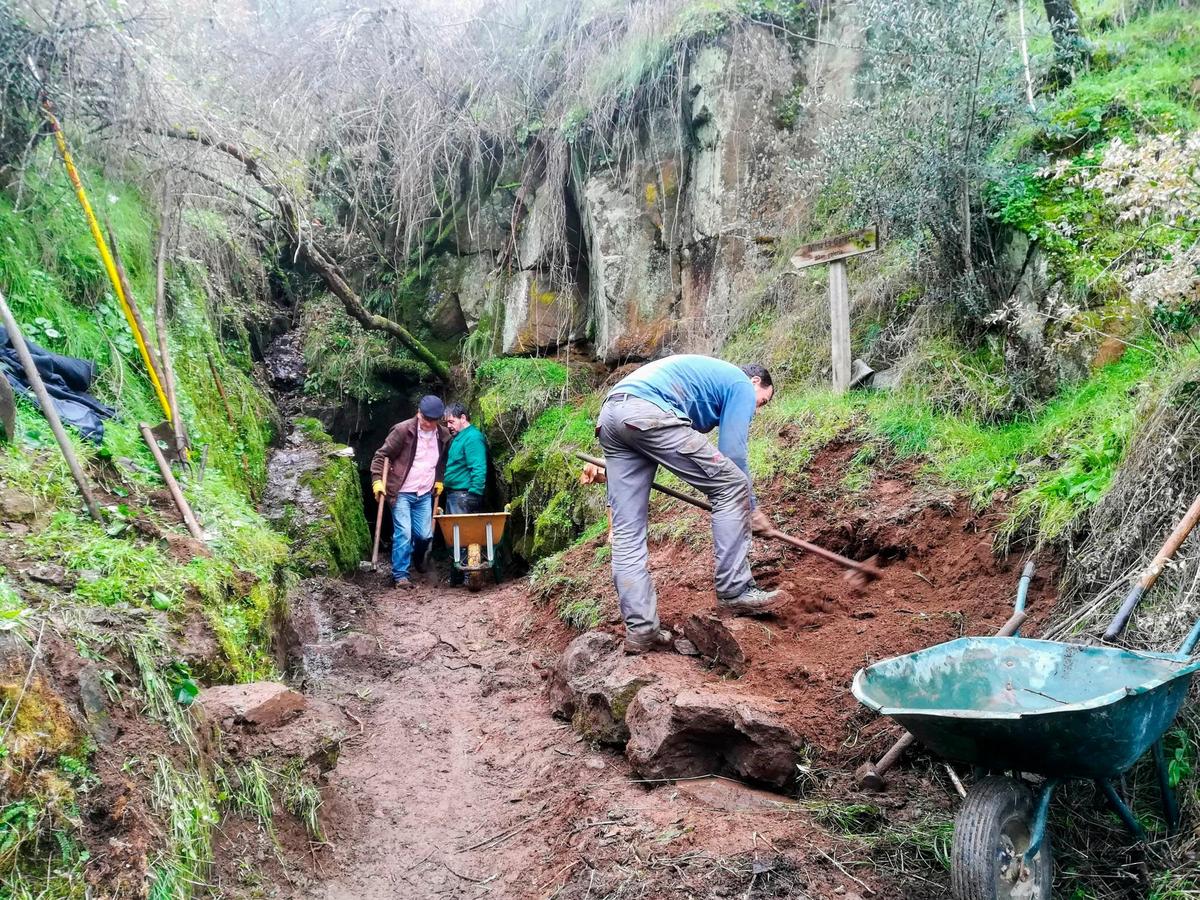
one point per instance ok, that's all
(1040, 817)
(1121, 808)
(1170, 807)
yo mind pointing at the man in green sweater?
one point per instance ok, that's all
(466, 463)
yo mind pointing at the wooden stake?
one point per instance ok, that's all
(164, 349)
(839, 323)
(43, 398)
(164, 469)
(212, 365)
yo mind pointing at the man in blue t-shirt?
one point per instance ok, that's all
(659, 415)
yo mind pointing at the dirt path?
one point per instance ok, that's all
(461, 783)
(458, 757)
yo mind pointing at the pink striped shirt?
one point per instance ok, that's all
(421, 476)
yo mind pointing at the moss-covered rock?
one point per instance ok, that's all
(314, 496)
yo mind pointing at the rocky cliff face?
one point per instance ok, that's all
(663, 247)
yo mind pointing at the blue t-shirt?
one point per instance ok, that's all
(711, 393)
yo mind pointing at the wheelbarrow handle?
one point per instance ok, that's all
(1189, 642)
(1150, 574)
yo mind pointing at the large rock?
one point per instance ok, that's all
(723, 641)
(17, 506)
(261, 705)
(594, 685)
(679, 733)
(634, 285)
(540, 314)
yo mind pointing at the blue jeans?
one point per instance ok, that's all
(412, 520)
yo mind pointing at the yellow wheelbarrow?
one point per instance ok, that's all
(475, 531)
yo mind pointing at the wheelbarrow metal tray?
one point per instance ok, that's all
(1055, 709)
(472, 527)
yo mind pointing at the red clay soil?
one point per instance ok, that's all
(941, 580)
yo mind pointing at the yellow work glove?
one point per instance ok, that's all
(438, 487)
(378, 488)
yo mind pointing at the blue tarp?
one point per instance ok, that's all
(67, 382)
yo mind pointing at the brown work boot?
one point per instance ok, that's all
(402, 584)
(753, 601)
(645, 641)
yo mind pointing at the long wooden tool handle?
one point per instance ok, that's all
(34, 377)
(863, 568)
(379, 513)
(1150, 574)
(164, 469)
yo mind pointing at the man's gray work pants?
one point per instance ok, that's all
(637, 438)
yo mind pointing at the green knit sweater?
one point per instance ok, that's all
(466, 462)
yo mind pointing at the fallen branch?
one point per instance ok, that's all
(307, 249)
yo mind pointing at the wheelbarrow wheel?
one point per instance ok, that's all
(991, 834)
(474, 581)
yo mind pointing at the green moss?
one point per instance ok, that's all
(543, 474)
(245, 627)
(338, 541)
(511, 391)
(312, 430)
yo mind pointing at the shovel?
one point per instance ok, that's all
(862, 571)
(379, 517)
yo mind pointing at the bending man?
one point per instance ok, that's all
(659, 415)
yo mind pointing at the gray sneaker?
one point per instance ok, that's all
(752, 601)
(646, 641)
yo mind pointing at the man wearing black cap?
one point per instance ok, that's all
(416, 448)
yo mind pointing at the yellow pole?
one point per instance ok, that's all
(106, 257)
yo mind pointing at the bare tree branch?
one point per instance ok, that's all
(309, 250)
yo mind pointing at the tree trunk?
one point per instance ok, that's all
(1071, 49)
(313, 254)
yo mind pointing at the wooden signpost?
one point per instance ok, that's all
(834, 252)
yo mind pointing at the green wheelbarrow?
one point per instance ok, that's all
(476, 532)
(1017, 705)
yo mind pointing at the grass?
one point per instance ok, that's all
(187, 804)
(1053, 465)
(1141, 82)
(51, 273)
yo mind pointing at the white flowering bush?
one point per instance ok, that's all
(1152, 184)
(1156, 183)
